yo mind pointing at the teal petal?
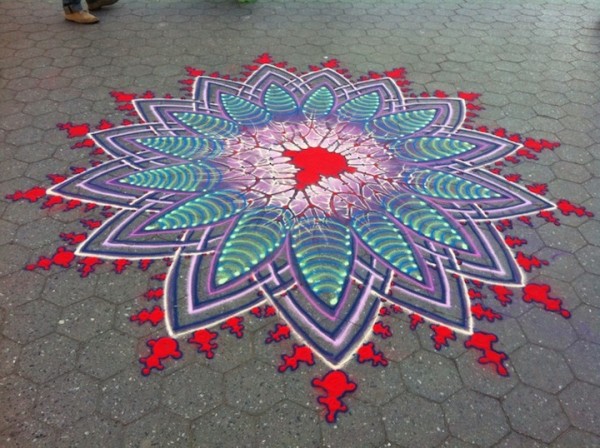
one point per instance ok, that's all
(400, 124)
(184, 147)
(439, 184)
(382, 237)
(200, 211)
(207, 125)
(243, 112)
(319, 103)
(188, 177)
(255, 237)
(278, 100)
(426, 149)
(324, 254)
(361, 108)
(425, 220)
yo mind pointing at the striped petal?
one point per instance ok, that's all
(427, 149)
(324, 254)
(189, 177)
(401, 124)
(361, 108)
(277, 100)
(184, 147)
(439, 184)
(207, 125)
(382, 237)
(319, 103)
(243, 112)
(255, 237)
(200, 211)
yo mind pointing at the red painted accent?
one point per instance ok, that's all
(62, 257)
(475, 295)
(549, 216)
(415, 320)
(315, 163)
(367, 353)
(336, 385)
(484, 342)
(538, 188)
(160, 350)
(331, 63)
(144, 264)
(513, 177)
(56, 178)
(269, 311)
(74, 130)
(74, 238)
(384, 311)
(154, 316)
(441, 336)
(34, 194)
(468, 96)
(567, 208)
(380, 329)
(234, 325)
(301, 354)
(120, 265)
(256, 312)
(396, 73)
(502, 294)
(278, 334)
(204, 339)
(514, 241)
(52, 201)
(123, 97)
(525, 220)
(480, 312)
(528, 263)
(72, 204)
(88, 265)
(91, 223)
(264, 58)
(540, 293)
(154, 294)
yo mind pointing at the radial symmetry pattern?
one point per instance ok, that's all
(318, 195)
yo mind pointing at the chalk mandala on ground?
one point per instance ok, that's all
(326, 201)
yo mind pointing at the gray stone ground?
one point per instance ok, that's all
(68, 366)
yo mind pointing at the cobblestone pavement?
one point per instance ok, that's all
(69, 370)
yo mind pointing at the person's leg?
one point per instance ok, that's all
(74, 12)
(97, 4)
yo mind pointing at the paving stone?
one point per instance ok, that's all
(84, 320)
(484, 379)
(360, 426)
(412, 420)
(535, 413)
(586, 320)
(27, 433)
(31, 321)
(580, 403)
(516, 440)
(547, 329)
(430, 375)
(288, 424)
(107, 354)
(583, 358)
(475, 418)
(9, 355)
(192, 391)
(22, 286)
(555, 375)
(59, 289)
(378, 385)
(44, 359)
(18, 398)
(253, 387)
(159, 429)
(128, 396)
(65, 400)
(229, 426)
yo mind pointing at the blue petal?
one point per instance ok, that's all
(319, 103)
(200, 211)
(383, 238)
(255, 237)
(324, 254)
(439, 184)
(207, 125)
(188, 177)
(361, 108)
(184, 147)
(400, 124)
(426, 149)
(278, 100)
(243, 112)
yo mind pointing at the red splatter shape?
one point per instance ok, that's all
(88, 265)
(336, 384)
(316, 162)
(56, 178)
(74, 238)
(537, 293)
(256, 312)
(160, 277)
(380, 329)
(144, 264)
(548, 216)
(502, 294)
(415, 320)
(513, 177)
(264, 58)
(160, 349)
(74, 130)
(331, 63)
(72, 204)
(234, 325)
(278, 334)
(474, 295)
(504, 224)
(154, 294)
(567, 208)
(525, 220)
(123, 97)
(384, 311)
(154, 316)
(480, 312)
(269, 311)
(62, 257)
(468, 96)
(528, 263)
(34, 194)
(204, 339)
(52, 201)
(301, 354)
(441, 336)
(120, 265)
(367, 353)
(538, 188)
(514, 241)
(484, 342)
(91, 223)
(396, 73)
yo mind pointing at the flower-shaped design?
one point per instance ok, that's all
(319, 195)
